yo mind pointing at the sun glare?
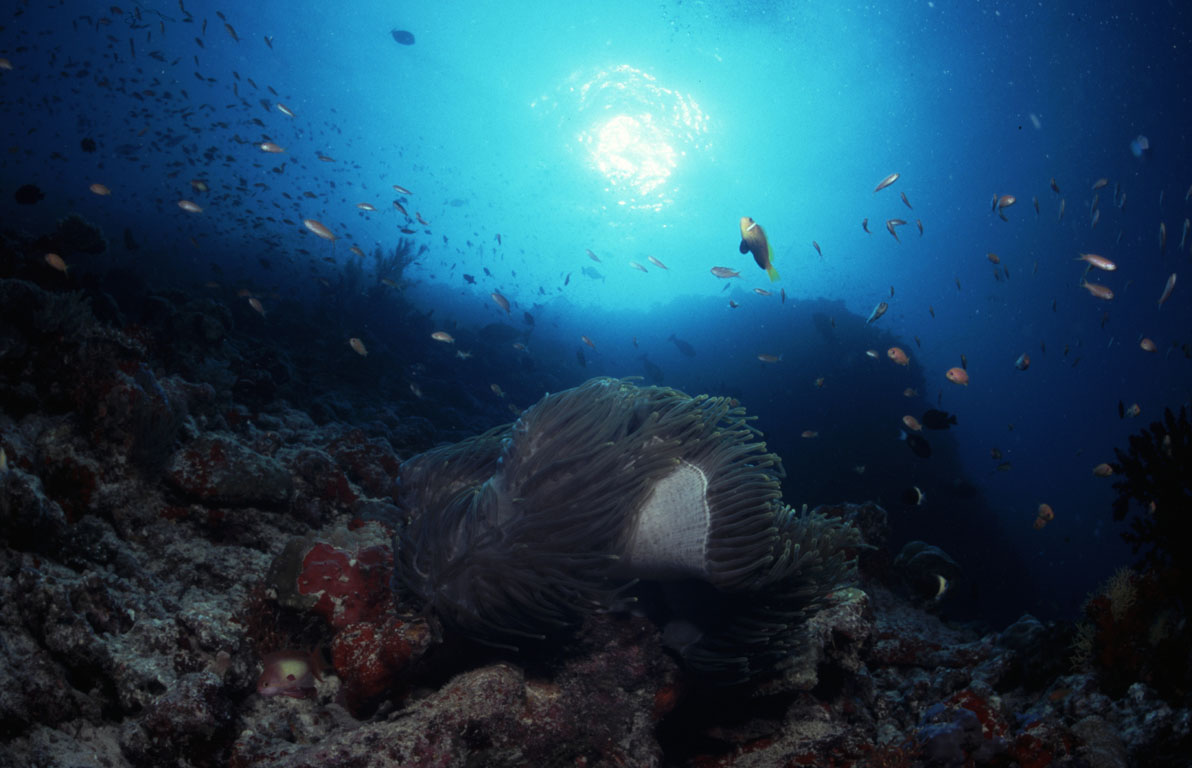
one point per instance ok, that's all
(635, 132)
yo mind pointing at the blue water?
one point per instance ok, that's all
(529, 133)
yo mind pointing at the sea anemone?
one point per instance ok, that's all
(607, 492)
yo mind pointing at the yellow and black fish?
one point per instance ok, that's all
(753, 240)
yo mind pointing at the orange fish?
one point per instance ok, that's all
(55, 261)
(1100, 262)
(1005, 201)
(255, 303)
(1167, 289)
(1103, 470)
(809, 434)
(358, 346)
(893, 177)
(318, 229)
(993, 257)
(100, 189)
(1147, 345)
(753, 240)
(1098, 290)
(443, 336)
(898, 356)
(912, 423)
(957, 375)
(269, 146)
(1045, 511)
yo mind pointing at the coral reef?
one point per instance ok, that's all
(164, 534)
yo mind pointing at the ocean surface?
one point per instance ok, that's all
(553, 185)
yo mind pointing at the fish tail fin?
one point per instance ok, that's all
(773, 273)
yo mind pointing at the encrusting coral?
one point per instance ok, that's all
(610, 491)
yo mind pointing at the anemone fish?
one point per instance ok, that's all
(753, 240)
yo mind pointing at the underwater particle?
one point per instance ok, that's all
(877, 312)
(957, 375)
(56, 262)
(28, 194)
(1167, 289)
(1100, 262)
(1103, 470)
(893, 177)
(754, 240)
(1146, 345)
(768, 358)
(723, 272)
(1097, 290)
(402, 37)
(318, 229)
(189, 207)
(443, 336)
(87, 144)
(1023, 362)
(269, 146)
(100, 189)
(501, 301)
(912, 423)
(898, 356)
(358, 346)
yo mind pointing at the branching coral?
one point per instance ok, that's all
(391, 266)
(516, 534)
(1156, 474)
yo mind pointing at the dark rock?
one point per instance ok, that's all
(216, 469)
